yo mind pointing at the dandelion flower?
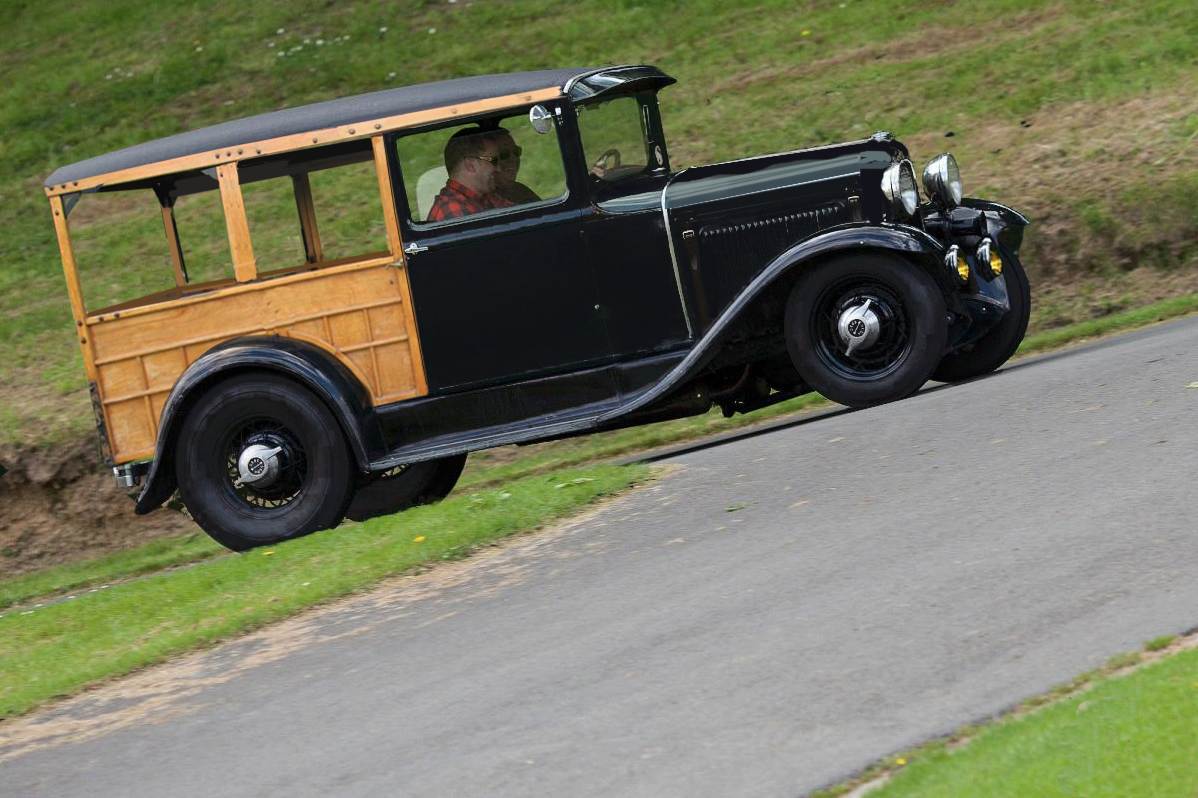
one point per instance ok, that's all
(418, 539)
(268, 553)
(806, 33)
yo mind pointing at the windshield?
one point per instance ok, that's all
(614, 138)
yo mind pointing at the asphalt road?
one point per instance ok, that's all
(776, 614)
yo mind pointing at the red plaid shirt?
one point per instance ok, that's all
(456, 201)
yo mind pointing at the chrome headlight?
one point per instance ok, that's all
(898, 184)
(942, 178)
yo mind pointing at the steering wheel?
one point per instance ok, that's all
(609, 161)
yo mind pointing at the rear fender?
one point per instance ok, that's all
(309, 365)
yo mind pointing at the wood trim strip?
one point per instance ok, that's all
(307, 214)
(240, 246)
(374, 353)
(299, 141)
(308, 271)
(395, 241)
(399, 339)
(128, 397)
(74, 289)
(245, 330)
(172, 241)
(390, 215)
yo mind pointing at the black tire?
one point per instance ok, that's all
(315, 469)
(995, 347)
(406, 486)
(911, 330)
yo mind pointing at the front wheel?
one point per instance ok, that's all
(996, 346)
(406, 486)
(865, 329)
(260, 460)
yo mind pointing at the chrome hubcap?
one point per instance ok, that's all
(258, 465)
(859, 327)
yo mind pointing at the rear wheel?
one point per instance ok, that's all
(995, 347)
(260, 460)
(865, 329)
(406, 486)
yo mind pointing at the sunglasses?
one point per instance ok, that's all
(501, 156)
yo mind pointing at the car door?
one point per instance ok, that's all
(628, 242)
(506, 294)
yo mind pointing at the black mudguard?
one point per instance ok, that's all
(911, 243)
(308, 364)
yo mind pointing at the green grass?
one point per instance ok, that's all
(96, 573)
(1117, 322)
(1128, 736)
(57, 649)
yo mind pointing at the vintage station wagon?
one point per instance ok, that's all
(539, 272)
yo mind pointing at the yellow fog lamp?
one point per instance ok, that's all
(988, 254)
(955, 263)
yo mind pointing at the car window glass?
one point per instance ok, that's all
(613, 138)
(119, 246)
(511, 166)
(345, 202)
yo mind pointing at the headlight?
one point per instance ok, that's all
(898, 184)
(942, 178)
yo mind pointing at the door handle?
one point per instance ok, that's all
(413, 248)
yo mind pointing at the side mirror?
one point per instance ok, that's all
(541, 119)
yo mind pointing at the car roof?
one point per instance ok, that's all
(337, 113)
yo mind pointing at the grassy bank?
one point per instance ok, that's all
(56, 649)
(1079, 113)
(1127, 734)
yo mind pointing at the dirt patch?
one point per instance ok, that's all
(59, 505)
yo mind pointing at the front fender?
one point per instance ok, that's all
(911, 243)
(308, 364)
(1005, 225)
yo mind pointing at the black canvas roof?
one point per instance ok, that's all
(318, 116)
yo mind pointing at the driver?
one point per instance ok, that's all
(506, 184)
(473, 163)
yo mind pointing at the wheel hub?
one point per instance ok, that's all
(859, 327)
(258, 465)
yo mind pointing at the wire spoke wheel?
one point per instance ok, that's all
(261, 460)
(404, 486)
(864, 329)
(889, 348)
(286, 486)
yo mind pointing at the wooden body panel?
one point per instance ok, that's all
(359, 313)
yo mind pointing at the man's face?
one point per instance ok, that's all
(483, 168)
(509, 163)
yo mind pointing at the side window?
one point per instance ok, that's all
(488, 167)
(120, 250)
(333, 198)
